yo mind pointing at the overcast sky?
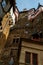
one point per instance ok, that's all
(28, 4)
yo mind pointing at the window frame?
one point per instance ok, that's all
(31, 58)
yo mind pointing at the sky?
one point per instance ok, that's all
(28, 4)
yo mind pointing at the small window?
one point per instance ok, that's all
(13, 40)
(17, 40)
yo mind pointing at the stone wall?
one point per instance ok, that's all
(32, 48)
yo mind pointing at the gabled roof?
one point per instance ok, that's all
(27, 10)
(22, 22)
(36, 12)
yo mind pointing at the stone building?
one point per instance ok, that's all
(24, 41)
(31, 53)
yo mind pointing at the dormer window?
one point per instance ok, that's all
(35, 35)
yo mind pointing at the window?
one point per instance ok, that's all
(16, 40)
(13, 40)
(27, 58)
(34, 59)
(31, 58)
(35, 35)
